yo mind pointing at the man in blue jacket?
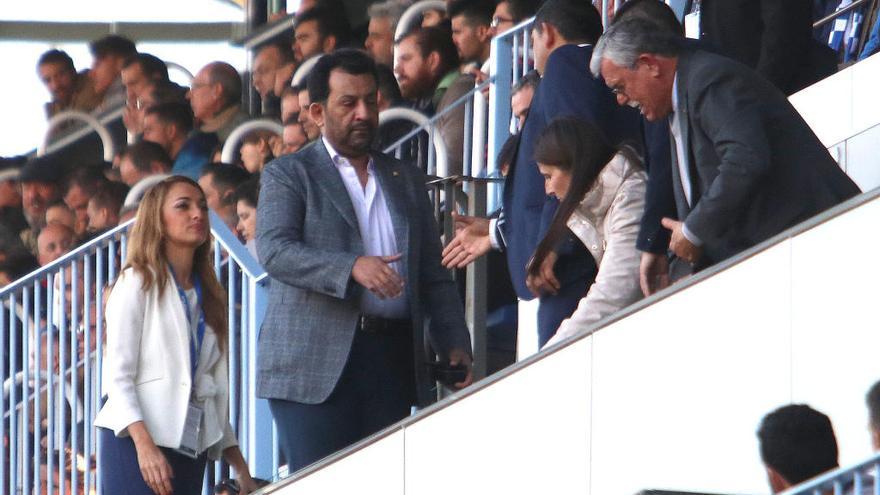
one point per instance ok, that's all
(563, 36)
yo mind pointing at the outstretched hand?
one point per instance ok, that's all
(470, 242)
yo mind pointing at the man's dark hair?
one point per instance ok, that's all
(89, 178)
(797, 442)
(388, 87)
(530, 80)
(290, 91)
(522, 9)
(475, 12)
(143, 153)
(347, 60)
(168, 92)
(18, 263)
(285, 51)
(873, 400)
(57, 57)
(508, 150)
(229, 80)
(329, 23)
(112, 45)
(152, 66)
(576, 20)
(111, 196)
(655, 11)
(225, 176)
(177, 113)
(435, 39)
(248, 191)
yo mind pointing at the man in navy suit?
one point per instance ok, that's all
(562, 39)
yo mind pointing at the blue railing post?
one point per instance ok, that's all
(499, 105)
(261, 447)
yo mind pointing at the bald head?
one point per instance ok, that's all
(216, 87)
(54, 241)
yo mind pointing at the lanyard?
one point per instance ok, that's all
(197, 335)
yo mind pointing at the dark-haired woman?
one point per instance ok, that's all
(602, 195)
(165, 373)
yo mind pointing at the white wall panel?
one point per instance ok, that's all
(680, 386)
(526, 434)
(836, 322)
(863, 159)
(377, 469)
(827, 107)
(866, 104)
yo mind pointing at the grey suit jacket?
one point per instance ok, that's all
(308, 240)
(756, 168)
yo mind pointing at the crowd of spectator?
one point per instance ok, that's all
(601, 204)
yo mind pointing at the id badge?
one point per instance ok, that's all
(189, 442)
(692, 25)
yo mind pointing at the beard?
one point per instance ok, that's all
(361, 136)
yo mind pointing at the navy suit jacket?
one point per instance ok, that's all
(566, 89)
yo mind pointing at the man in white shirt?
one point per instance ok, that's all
(349, 239)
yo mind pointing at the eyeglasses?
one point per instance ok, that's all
(496, 20)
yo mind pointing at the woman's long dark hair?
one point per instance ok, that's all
(581, 149)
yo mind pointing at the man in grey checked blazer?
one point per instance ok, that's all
(341, 350)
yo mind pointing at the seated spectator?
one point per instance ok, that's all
(108, 56)
(11, 215)
(602, 194)
(427, 72)
(284, 77)
(68, 89)
(54, 241)
(143, 159)
(256, 150)
(293, 138)
(472, 30)
(521, 96)
(268, 60)
(170, 126)
(797, 443)
(215, 98)
(139, 73)
(509, 13)
(59, 212)
(247, 196)
(104, 207)
(39, 178)
(219, 181)
(433, 18)
(380, 35)
(290, 103)
(80, 185)
(312, 129)
(319, 30)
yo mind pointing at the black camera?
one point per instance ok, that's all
(445, 373)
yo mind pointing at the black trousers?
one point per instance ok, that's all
(121, 473)
(376, 389)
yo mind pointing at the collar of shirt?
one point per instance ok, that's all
(675, 92)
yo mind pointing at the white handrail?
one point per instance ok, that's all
(408, 114)
(303, 70)
(232, 141)
(101, 129)
(180, 68)
(414, 11)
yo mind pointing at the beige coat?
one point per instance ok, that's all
(607, 222)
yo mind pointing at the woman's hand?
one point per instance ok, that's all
(545, 281)
(247, 484)
(154, 466)
(232, 456)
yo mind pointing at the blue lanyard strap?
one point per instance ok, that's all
(197, 336)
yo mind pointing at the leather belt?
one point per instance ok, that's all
(382, 326)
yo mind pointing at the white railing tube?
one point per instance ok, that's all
(101, 129)
(235, 136)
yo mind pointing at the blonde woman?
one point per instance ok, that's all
(165, 371)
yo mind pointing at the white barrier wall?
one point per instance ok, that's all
(667, 397)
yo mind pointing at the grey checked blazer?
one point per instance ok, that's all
(308, 239)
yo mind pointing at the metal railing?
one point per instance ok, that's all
(859, 479)
(52, 336)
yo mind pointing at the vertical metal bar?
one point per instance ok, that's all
(467, 137)
(50, 382)
(245, 417)
(432, 166)
(527, 45)
(499, 105)
(218, 260)
(3, 374)
(62, 381)
(13, 398)
(515, 54)
(38, 397)
(233, 351)
(604, 13)
(99, 357)
(76, 313)
(25, 350)
(87, 376)
(111, 260)
(123, 249)
(876, 478)
(475, 289)
(260, 418)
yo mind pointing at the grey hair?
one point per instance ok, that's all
(625, 40)
(392, 9)
(230, 82)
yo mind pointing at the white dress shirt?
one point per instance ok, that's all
(675, 126)
(377, 230)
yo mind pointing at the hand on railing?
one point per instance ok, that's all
(470, 242)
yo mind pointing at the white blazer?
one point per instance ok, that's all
(607, 222)
(147, 374)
